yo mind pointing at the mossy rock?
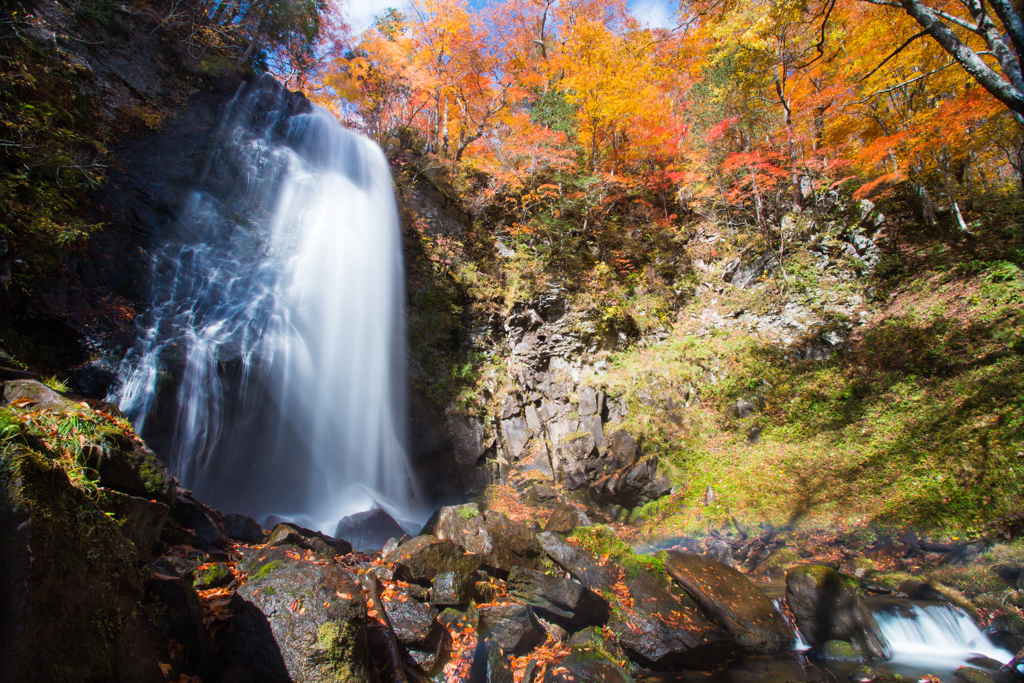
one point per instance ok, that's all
(213, 577)
(838, 651)
(72, 587)
(123, 463)
(972, 675)
(296, 621)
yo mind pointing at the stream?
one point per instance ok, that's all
(927, 638)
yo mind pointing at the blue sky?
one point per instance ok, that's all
(652, 12)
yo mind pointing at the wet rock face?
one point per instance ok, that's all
(828, 606)
(513, 626)
(501, 543)
(740, 607)
(202, 520)
(587, 666)
(424, 557)
(321, 544)
(664, 629)
(242, 528)
(368, 530)
(296, 621)
(416, 628)
(563, 600)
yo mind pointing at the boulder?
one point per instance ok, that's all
(631, 486)
(566, 517)
(563, 600)
(204, 521)
(422, 558)
(863, 674)
(450, 589)
(500, 542)
(182, 619)
(320, 543)
(837, 651)
(733, 601)
(973, 675)
(827, 606)
(66, 568)
(512, 625)
(213, 577)
(580, 564)
(242, 528)
(590, 661)
(295, 621)
(489, 665)
(368, 530)
(415, 627)
(463, 638)
(662, 628)
(123, 463)
(141, 520)
(35, 395)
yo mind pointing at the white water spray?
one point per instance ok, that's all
(936, 633)
(273, 361)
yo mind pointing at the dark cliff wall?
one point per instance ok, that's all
(139, 111)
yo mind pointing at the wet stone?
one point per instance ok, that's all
(242, 528)
(733, 600)
(450, 589)
(413, 622)
(560, 599)
(972, 675)
(422, 558)
(513, 626)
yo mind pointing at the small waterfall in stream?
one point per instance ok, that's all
(273, 358)
(932, 633)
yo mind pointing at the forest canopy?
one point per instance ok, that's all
(743, 110)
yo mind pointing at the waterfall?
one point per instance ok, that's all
(933, 633)
(271, 367)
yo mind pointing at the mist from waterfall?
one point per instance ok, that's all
(271, 367)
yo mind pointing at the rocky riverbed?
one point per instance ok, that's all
(116, 573)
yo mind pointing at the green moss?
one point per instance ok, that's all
(211, 575)
(269, 590)
(839, 651)
(602, 540)
(469, 511)
(344, 648)
(83, 567)
(266, 570)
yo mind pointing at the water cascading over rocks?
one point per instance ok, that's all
(271, 367)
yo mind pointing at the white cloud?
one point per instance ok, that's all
(654, 13)
(361, 13)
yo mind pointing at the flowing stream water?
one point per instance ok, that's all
(926, 638)
(271, 369)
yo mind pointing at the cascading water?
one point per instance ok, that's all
(934, 633)
(273, 361)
